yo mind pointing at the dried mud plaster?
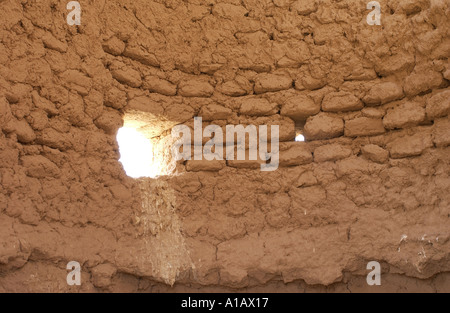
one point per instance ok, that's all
(371, 182)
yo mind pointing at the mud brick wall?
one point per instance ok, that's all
(370, 183)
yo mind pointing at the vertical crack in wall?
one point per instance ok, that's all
(164, 242)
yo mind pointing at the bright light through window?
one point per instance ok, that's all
(136, 153)
(299, 138)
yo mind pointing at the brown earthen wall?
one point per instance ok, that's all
(371, 182)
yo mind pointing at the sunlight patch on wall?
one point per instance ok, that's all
(299, 138)
(136, 153)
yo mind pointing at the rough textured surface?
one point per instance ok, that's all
(370, 184)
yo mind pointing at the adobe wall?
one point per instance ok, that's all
(369, 184)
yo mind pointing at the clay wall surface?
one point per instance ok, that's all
(370, 183)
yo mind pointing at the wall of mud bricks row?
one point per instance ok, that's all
(370, 182)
